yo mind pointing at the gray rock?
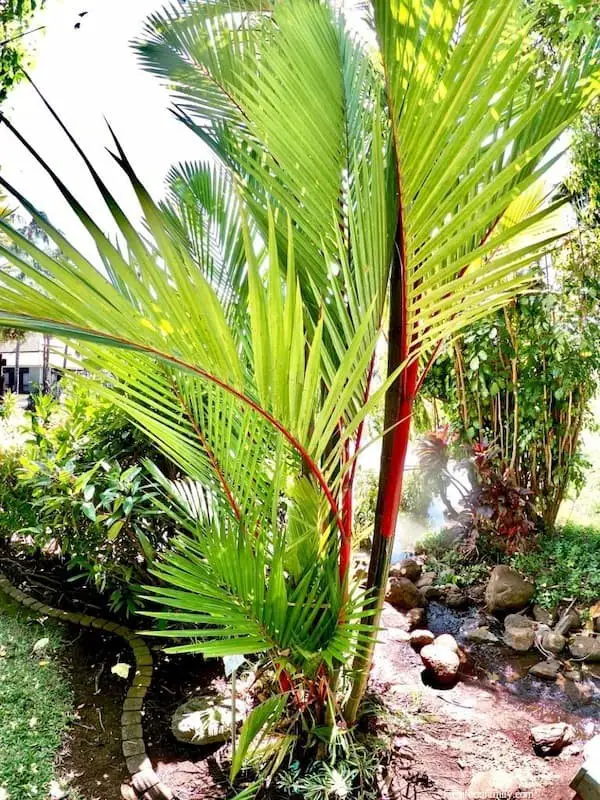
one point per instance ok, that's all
(544, 616)
(585, 647)
(431, 593)
(407, 568)
(520, 639)
(441, 662)
(546, 670)
(402, 593)
(507, 590)
(421, 638)
(455, 598)
(513, 621)
(595, 616)
(553, 642)
(206, 719)
(482, 635)
(426, 579)
(415, 618)
(568, 622)
(550, 739)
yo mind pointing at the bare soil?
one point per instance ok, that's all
(91, 754)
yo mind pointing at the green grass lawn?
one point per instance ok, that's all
(584, 508)
(35, 703)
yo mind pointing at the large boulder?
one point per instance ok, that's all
(519, 621)
(206, 719)
(403, 594)
(520, 639)
(548, 740)
(544, 616)
(441, 663)
(447, 640)
(407, 568)
(507, 590)
(553, 642)
(585, 647)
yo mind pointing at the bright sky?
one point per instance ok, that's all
(88, 74)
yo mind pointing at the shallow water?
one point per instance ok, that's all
(506, 672)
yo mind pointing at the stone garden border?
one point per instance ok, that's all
(145, 782)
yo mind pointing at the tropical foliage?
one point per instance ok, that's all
(15, 19)
(238, 326)
(76, 490)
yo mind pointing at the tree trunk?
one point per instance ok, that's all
(46, 364)
(17, 366)
(399, 401)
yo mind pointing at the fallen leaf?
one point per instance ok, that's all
(121, 669)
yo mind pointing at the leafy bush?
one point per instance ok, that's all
(566, 564)
(9, 405)
(416, 495)
(78, 488)
(445, 557)
(16, 511)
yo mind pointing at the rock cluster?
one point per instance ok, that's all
(402, 589)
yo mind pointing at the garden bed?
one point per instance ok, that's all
(442, 739)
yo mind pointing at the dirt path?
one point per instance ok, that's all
(481, 724)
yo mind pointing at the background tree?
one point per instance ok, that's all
(15, 24)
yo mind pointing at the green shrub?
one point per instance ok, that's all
(16, 511)
(78, 483)
(566, 564)
(446, 559)
(9, 405)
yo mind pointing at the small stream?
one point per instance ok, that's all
(506, 671)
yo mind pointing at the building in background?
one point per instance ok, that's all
(32, 364)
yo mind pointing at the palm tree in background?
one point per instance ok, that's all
(354, 188)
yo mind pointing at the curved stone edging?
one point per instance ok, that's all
(144, 780)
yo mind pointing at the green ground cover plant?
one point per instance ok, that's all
(565, 563)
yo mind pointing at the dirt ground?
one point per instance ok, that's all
(91, 754)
